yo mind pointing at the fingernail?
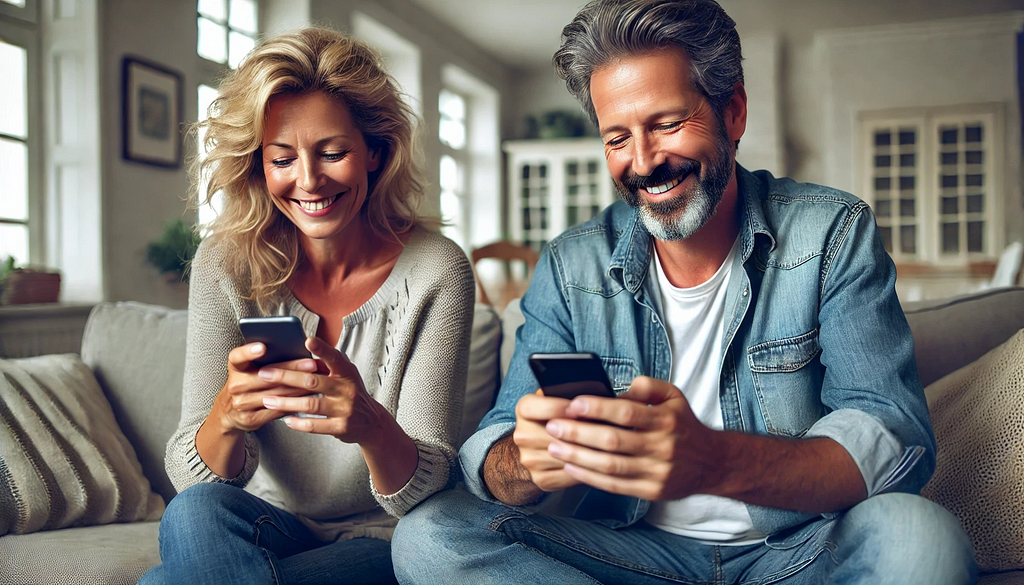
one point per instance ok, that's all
(258, 348)
(265, 374)
(271, 402)
(558, 449)
(579, 406)
(554, 429)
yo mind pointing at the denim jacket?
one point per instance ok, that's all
(816, 344)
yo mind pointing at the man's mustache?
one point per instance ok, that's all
(661, 175)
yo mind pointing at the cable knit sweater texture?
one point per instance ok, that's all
(410, 342)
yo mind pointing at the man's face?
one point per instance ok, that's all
(668, 153)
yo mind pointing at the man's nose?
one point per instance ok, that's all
(310, 178)
(647, 155)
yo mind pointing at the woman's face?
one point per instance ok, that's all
(316, 163)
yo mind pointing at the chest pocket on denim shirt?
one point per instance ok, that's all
(621, 372)
(787, 381)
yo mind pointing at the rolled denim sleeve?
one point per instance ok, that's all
(877, 409)
(547, 328)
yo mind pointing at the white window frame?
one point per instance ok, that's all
(228, 29)
(458, 229)
(19, 27)
(929, 190)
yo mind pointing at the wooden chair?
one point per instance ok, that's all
(506, 252)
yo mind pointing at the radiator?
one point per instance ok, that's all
(31, 330)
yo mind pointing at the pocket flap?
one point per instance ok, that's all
(784, 355)
(621, 372)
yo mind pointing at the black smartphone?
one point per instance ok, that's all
(283, 336)
(567, 375)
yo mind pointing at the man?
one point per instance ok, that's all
(774, 428)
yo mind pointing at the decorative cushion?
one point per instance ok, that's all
(978, 417)
(63, 460)
(482, 380)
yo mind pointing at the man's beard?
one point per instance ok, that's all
(681, 216)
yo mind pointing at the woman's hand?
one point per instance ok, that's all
(239, 406)
(338, 395)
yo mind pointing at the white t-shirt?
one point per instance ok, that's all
(695, 321)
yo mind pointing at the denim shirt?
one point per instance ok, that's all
(815, 345)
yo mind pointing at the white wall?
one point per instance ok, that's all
(138, 199)
(934, 64)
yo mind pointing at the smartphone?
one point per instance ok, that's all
(567, 375)
(283, 336)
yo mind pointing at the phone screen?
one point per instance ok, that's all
(567, 375)
(283, 336)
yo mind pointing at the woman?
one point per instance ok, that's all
(311, 146)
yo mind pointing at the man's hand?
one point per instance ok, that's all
(518, 469)
(665, 453)
(533, 412)
(655, 452)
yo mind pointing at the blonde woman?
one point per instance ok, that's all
(311, 146)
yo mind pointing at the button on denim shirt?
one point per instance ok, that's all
(815, 345)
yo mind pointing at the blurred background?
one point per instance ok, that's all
(913, 105)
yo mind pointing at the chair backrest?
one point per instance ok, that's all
(506, 252)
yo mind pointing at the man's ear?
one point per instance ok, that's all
(736, 113)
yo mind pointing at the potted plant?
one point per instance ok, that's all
(172, 253)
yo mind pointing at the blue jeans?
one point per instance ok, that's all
(455, 537)
(218, 533)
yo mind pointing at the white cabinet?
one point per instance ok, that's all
(553, 185)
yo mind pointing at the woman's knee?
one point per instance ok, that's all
(203, 501)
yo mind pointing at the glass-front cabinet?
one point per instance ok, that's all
(554, 185)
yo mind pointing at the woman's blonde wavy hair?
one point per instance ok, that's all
(264, 243)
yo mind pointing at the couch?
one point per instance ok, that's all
(136, 354)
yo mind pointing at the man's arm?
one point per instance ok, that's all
(506, 478)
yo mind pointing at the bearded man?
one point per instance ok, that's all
(770, 425)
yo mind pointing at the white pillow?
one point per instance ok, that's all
(978, 416)
(63, 459)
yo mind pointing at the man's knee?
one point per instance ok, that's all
(907, 534)
(439, 532)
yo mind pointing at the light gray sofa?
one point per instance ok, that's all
(137, 351)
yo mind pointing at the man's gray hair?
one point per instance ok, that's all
(605, 30)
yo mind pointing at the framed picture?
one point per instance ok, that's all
(151, 104)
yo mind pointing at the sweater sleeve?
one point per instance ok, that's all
(434, 380)
(212, 334)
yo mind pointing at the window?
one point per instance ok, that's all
(14, 205)
(452, 133)
(227, 33)
(932, 181)
(227, 30)
(20, 138)
(207, 213)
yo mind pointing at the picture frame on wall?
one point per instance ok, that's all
(151, 106)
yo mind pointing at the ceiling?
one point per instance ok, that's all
(524, 34)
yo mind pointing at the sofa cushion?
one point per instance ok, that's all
(117, 554)
(978, 419)
(63, 460)
(951, 333)
(482, 379)
(137, 353)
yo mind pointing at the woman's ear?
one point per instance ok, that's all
(373, 160)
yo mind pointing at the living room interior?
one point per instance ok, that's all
(916, 106)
